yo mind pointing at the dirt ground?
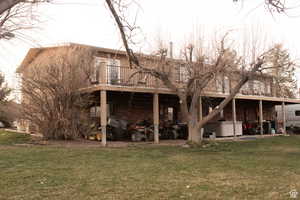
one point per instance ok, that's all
(82, 143)
(113, 144)
(119, 144)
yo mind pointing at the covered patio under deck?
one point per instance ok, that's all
(152, 102)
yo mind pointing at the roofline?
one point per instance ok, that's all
(100, 49)
(26, 61)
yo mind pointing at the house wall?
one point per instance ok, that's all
(249, 111)
(130, 106)
(171, 66)
(260, 85)
(134, 107)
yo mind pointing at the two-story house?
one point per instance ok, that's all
(141, 96)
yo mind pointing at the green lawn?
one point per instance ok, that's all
(260, 169)
(8, 138)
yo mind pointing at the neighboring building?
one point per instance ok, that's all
(143, 97)
(291, 114)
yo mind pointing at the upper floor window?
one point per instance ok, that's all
(258, 87)
(268, 88)
(226, 85)
(182, 74)
(95, 72)
(113, 71)
(222, 84)
(95, 111)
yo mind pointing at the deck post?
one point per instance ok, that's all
(234, 117)
(200, 112)
(102, 73)
(103, 107)
(261, 117)
(156, 117)
(283, 117)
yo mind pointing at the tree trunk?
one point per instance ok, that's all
(7, 4)
(194, 133)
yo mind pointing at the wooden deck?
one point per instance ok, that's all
(140, 89)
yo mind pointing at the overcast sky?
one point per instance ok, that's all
(89, 22)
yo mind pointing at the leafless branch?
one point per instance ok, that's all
(198, 73)
(51, 100)
(16, 15)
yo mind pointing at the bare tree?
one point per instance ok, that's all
(16, 15)
(274, 6)
(4, 93)
(6, 5)
(199, 71)
(50, 86)
(4, 89)
(9, 112)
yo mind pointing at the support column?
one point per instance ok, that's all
(200, 111)
(156, 117)
(234, 117)
(283, 117)
(261, 117)
(103, 73)
(103, 107)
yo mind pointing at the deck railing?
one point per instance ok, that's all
(128, 77)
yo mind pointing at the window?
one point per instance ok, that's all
(96, 69)
(219, 84)
(297, 112)
(268, 88)
(222, 84)
(170, 113)
(258, 87)
(226, 85)
(113, 71)
(183, 74)
(95, 111)
(262, 88)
